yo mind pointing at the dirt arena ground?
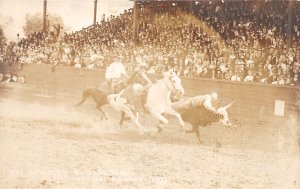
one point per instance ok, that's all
(47, 143)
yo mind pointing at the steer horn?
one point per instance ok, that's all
(225, 107)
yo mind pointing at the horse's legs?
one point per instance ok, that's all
(122, 119)
(103, 112)
(161, 118)
(160, 126)
(135, 119)
(85, 94)
(171, 111)
(137, 116)
(130, 113)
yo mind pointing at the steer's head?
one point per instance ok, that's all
(224, 114)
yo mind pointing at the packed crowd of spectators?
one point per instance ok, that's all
(11, 78)
(235, 40)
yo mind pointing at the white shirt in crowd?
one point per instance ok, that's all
(281, 81)
(248, 78)
(235, 78)
(115, 71)
(77, 65)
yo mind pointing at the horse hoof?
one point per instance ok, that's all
(188, 131)
(200, 141)
(159, 129)
(150, 133)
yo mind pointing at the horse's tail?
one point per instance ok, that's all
(85, 95)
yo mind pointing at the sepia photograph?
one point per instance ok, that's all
(149, 94)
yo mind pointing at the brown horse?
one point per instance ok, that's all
(100, 95)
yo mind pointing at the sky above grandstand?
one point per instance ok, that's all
(76, 14)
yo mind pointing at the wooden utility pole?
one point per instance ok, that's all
(258, 12)
(45, 16)
(135, 22)
(95, 11)
(191, 11)
(290, 24)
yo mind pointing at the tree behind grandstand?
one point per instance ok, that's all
(34, 22)
(2, 37)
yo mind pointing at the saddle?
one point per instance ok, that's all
(109, 87)
(137, 99)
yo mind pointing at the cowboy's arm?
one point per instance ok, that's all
(146, 78)
(123, 72)
(109, 71)
(207, 104)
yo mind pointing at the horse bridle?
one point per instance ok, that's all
(176, 91)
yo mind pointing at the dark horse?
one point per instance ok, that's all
(100, 96)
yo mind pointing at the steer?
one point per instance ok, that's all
(197, 115)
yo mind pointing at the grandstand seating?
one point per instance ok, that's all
(235, 40)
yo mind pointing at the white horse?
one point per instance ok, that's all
(158, 100)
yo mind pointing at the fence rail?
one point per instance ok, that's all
(254, 102)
